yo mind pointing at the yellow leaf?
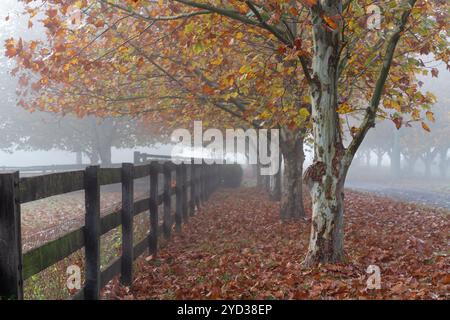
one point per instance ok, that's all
(304, 114)
(265, 115)
(430, 116)
(344, 108)
(217, 61)
(245, 69)
(415, 114)
(239, 35)
(395, 105)
(307, 99)
(122, 69)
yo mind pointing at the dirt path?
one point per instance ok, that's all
(236, 248)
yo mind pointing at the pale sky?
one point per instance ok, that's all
(12, 8)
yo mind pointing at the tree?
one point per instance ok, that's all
(93, 137)
(250, 91)
(346, 68)
(429, 146)
(379, 140)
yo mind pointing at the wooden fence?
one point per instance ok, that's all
(200, 180)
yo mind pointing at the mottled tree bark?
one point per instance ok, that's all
(325, 177)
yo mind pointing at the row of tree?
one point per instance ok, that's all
(407, 148)
(312, 68)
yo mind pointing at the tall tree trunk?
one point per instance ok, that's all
(427, 163)
(266, 183)
(104, 137)
(358, 159)
(291, 206)
(428, 160)
(443, 162)
(395, 156)
(326, 176)
(105, 154)
(380, 155)
(259, 177)
(368, 157)
(79, 157)
(93, 157)
(412, 165)
(275, 181)
(275, 187)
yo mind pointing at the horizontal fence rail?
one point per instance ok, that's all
(192, 186)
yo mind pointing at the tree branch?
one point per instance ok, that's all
(371, 112)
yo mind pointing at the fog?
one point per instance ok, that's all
(410, 164)
(30, 139)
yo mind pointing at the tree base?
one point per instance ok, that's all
(287, 215)
(315, 259)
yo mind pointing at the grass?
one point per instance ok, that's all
(51, 283)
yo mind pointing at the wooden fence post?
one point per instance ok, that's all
(179, 199)
(192, 189)
(92, 233)
(127, 223)
(154, 221)
(185, 194)
(167, 223)
(11, 282)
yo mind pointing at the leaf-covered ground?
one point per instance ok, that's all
(236, 248)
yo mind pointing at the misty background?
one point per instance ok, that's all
(38, 138)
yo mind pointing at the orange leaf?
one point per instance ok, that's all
(330, 22)
(207, 89)
(310, 3)
(426, 127)
(293, 11)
